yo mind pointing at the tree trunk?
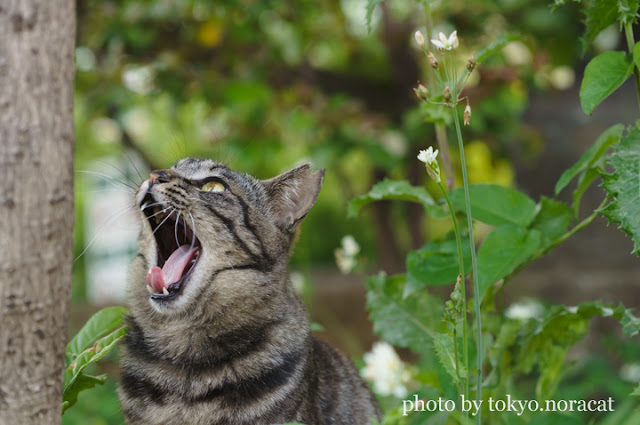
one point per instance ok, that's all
(36, 205)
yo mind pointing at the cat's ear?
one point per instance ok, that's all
(292, 194)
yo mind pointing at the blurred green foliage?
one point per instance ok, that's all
(264, 84)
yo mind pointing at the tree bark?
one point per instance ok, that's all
(36, 205)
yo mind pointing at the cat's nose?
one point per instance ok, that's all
(158, 176)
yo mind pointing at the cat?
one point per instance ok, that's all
(217, 334)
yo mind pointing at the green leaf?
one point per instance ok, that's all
(496, 46)
(628, 11)
(91, 355)
(599, 14)
(624, 186)
(405, 322)
(606, 140)
(371, 5)
(100, 324)
(636, 392)
(503, 251)
(445, 351)
(436, 264)
(399, 190)
(561, 328)
(496, 205)
(602, 76)
(84, 382)
(552, 220)
(636, 54)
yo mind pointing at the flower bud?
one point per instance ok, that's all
(421, 92)
(419, 39)
(471, 64)
(432, 60)
(467, 115)
(446, 94)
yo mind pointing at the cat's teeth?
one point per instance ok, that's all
(143, 206)
(165, 292)
(150, 289)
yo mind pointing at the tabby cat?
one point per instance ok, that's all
(217, 334)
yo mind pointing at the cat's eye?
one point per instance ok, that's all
(214, 186)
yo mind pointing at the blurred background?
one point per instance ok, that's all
(263, 85)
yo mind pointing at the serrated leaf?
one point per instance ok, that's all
(496, 46)
(99, 325)
(84, 382)
(436, 263)
(503, 251)
(405, 322)
(599, 14)
(561, 328)
(602, 76)
(628, 11)
(624, 187)
(445, 351)
(495, 205)
(605, 141)
(552, 220)
(371, 5)
(398, 190)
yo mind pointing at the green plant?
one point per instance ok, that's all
(509, 348)
(95, 340)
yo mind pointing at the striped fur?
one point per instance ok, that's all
(234, 346)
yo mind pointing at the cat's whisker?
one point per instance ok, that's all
(163, 221)
(160, 212)
(85, 192)
(193, 230)
(184, 224)
(109, 179)
(134, 166)
(147, 205)
(102, 229)
(175, 229)
(121, 172)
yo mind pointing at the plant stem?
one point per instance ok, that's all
(628, 30)
(465, 349)
(474, 263)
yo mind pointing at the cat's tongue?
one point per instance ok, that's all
(160, 278)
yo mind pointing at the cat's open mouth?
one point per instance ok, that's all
(178, 250)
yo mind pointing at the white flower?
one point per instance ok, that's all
(525, 310)
(346, 255)
(390, 376)
(446, 43)
(428, 156)
(419, 39)
(350, 246)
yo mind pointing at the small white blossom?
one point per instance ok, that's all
(419, 39)
(390, 376)
(446, 43)
(428, 156)
(346, 255)
(350, 246)
(524, 310)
